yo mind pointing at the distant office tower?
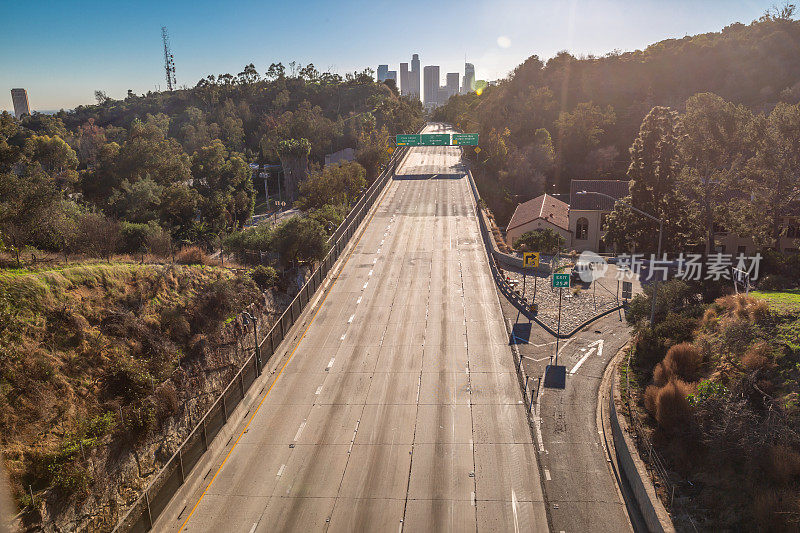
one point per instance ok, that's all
(469, 78)
(431, 79)
(20, 98)
(392, 75)
(383, 71)
(414, 77)
(404, 79)
(452, 84)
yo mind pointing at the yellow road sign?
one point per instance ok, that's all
(390, 149)
(477, 149)
(530, 259)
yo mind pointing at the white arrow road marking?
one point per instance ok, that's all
(596, 345)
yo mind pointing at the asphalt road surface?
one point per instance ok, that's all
(579, 484)
(399, 409)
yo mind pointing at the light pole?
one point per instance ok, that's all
(658, 254)
(255, 337)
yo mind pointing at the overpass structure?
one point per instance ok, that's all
(398, 408)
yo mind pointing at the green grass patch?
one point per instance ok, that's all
(786, 300)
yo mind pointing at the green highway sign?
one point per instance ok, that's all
(407, 140)
(465, 139)
(561, 281)
(435, 139)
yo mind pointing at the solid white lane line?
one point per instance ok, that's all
(299, 431)
(280, 470)
(254, 527)
(514, 508)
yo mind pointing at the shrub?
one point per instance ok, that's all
(650, 395)
(783, 464)
(545, 241)
(672, 411)
(683, 361)
(192, 255)
(757, 356)
(661, 375)
(774, 282)
(264, 276)
(676, 328)
(710, 318)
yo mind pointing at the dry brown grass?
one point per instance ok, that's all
(672, 411)
(660, 375)
(742, 306)
(709, 320)
(192, 255)
(682, 361)
(650, 395)
(783, 464)
(757, 357)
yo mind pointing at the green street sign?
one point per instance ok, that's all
(465, 139)
(407, 140)
(435, 139)
(561, 281)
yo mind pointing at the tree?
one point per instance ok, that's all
(654, 188)
(578, 132)
(545, 241)
(774, 173)
(715, 146)
(294, 159)
(224, 181)
(300, 239)
(57, 158)
(337, 185)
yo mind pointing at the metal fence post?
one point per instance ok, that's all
(205, 436)
(149, 514)
(180, 462)
(224, 408)
(241, 384)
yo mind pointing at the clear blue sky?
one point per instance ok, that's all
(62, 51)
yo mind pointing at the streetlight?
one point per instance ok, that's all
(255, 337)
(658, 254)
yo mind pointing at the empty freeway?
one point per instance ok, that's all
(398, 408)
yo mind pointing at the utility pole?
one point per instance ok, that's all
(169, 61)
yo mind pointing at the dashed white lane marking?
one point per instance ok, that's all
(514, 508)
(472, 498)
(330, 363)
(359, 300)
(350, 320)
(319, 389)
(379, 251)
(342, 337)
(254, 527)
(374, 260)
(299, 431)
(370, 273)
(547, 475)
(365, 285)
(280, 470)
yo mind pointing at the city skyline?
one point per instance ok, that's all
(47, 47)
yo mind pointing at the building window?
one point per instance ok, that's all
(582, 229)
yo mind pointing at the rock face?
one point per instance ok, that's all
(119, 474)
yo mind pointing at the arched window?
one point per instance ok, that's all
(582, 229)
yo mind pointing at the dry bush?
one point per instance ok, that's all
(709, 320)
(192, 255)
(650, 395)
(661, 375)
(672, 411)
(757, 356)
(166, 400)
(772, 509)
(683, 361)
(783, 464)
(758, 310)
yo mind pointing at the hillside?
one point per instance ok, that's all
(103, 368)
(716, 390)
(576, 118)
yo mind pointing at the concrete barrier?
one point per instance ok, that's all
(633, 469)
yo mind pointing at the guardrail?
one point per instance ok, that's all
(502, 284)
(156, 496)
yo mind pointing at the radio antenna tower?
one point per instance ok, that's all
(169, 61)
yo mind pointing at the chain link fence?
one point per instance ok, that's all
(143, 513)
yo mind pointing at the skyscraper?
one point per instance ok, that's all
(392, 75)
(383, 71)
(20, 99)
(469, 78)
(452, 84)
(404, 79)
(431, 79)
(414, 77)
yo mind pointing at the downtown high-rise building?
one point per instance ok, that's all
(21, 105)
(431, 85)
(451, 85)
(383, 72)
(413, 77)
(469, 78)
(404, 79)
